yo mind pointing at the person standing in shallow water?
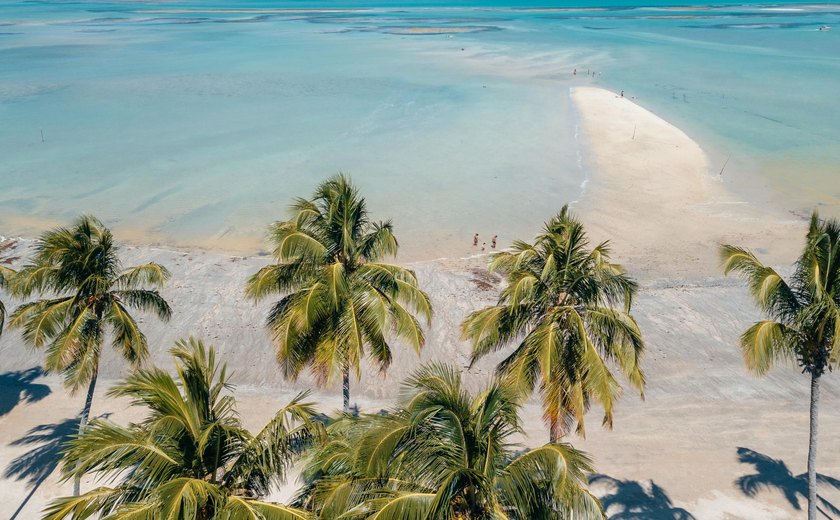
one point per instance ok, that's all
(475, 240)
(493, 242)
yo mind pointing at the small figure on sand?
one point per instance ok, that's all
(483, 246)
(574, 72)
(493, 242)
(475, 240)
(622, 93)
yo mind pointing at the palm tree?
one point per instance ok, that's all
(803, 313)
(89, 293)
(559, 307)
(190, 458)
(444, 454)
(339, 298)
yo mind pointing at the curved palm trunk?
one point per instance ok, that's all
(812, 448)
(346, 389)
(83, 420)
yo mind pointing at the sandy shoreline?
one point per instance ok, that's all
(653, 195)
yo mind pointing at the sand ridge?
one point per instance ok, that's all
(653, 194)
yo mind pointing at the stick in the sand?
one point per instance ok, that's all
(724, 165)
(634, 133)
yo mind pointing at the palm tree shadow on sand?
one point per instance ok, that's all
(37, 464)
(773, 474)
(636, 500)
(20, 387)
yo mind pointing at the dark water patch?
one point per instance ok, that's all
(132, 21)
(402, 20)
(44, 52)
(422, 31)
(12, 92)
(251, 19)
(25, 205)
(172, 20)
(743, 26)
(689, 15)
(176, 21)
(768, 118)
(151, 201)
(110, 19)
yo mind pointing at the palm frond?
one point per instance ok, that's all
(41, 319)
(127, 334)
(492, 328)
(405, 506)
(87, 505)
(146, 275)
(186, 497)
(239, 508)
(769, 291)
(147, 301)
(766, 343)
(105, 448)
(266, 457)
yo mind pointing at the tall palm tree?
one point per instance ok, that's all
(190, 458)
(339, 297)
(88, 293)
(803, 314)
(444, 454)
(567, 310)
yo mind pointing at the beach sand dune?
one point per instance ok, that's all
(653, 194)
(706, 434)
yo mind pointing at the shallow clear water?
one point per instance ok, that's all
(194, 123)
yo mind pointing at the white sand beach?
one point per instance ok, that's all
(705, 428)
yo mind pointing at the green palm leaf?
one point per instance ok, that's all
(239, 508)
(89, 505)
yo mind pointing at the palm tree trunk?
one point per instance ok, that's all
(83, 420)
(346, 389)
(812, 448)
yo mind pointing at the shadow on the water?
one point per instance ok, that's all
(773, 474)
(636, 500)
(38, 463)
(20, 387)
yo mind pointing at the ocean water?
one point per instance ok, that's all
(195, 123)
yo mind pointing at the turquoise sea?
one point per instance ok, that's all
(195, 122)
